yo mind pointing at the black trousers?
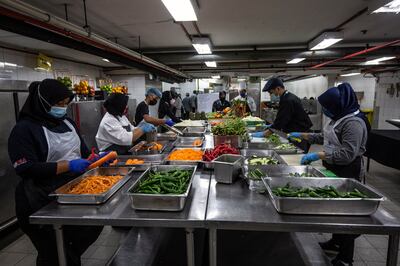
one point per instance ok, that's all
(76, 238)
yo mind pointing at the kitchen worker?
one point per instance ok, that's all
(47, 151)
(344, 141)
(251, 104)
(220, 104)
(291, 115)
(115, 132)
(165, 109)
(186, 106)
(142, 110)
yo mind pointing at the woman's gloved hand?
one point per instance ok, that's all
(78, 166)
(309, 158)
(294, 136)
(169, 122)
(260, 134)
(147, 127)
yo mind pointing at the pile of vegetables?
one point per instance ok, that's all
(165, 182)
(265, 160)
(107, 88)
(234, 127)
(134, 161)
(316, 192)
(66, 81)
(219, 150)
(255, 174)
(285, 146)
(186, 155)
(273, 139)
(296, 174)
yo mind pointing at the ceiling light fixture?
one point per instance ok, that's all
(202, 45)
(211, 63)
(325, 40)
(106, 60)
(391, 7)
(181, 10)
(378, 60)
(216, 77)
(295, 60)
(350, 74)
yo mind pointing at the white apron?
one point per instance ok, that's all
(63, 146)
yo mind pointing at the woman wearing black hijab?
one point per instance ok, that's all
(115, 131)
(47, 151)
(165, 109)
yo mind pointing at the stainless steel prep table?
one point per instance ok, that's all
(117, 211)
(235, 207)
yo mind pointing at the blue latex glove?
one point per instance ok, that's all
(78, 166)
(268, 126)
(260, 134)
(147, 127)
(170, 123)
(309, 158)
(294, 136)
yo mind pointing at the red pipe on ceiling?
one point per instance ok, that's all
(15, 15)
(356, 54)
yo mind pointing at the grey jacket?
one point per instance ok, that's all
(352, 134)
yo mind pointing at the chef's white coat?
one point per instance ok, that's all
(250, 101)
(114, 130)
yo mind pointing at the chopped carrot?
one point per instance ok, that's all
(186, 155)
(134, 161)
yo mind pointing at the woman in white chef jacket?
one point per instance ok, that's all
(115, 132)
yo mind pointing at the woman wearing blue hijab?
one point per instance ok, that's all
(344, 140)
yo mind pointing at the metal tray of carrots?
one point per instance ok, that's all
(183, 162)
(140, 162)
(64, 195)
(189, 142)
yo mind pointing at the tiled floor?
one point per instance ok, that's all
(370, 249)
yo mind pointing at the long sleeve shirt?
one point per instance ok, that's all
(352, 135)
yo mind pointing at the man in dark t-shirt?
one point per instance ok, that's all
(142, 110)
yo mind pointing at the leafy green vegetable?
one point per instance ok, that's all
(230, 128)
(315, 192)
(296, 174)
(285, 146)
(265, 160)
(255, 174)
(274, 139)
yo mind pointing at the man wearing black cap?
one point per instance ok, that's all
(291, 115)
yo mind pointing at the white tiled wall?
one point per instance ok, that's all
(27, 63)
(389, 106)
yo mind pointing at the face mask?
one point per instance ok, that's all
(222, 99)
(327, 113)
(243, 95)
(172, 102)
(153, 102)
(58, 112)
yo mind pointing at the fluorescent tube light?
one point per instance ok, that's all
(350, 74)
(211, 63)
(216, 77)
(325, 40)
(10, 64)
(180, 10)
(202, 45)
(106, 60)
(378, 60)
(295, 60)
(391, 7)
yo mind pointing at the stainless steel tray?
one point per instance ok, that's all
(136, 149)
(149, 160)
(63, 197)
(173, 129)
(170, 136)
(160, 202)
(250, 152)
(188, 141)
(182, 162)
(194, 131)
(285, 170)
(324, 206)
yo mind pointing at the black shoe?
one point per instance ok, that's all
(339, 262)
(329, 247)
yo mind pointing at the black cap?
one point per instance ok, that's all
(272, 84)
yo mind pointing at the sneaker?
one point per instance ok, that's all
(329, 247)
(339, 262)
